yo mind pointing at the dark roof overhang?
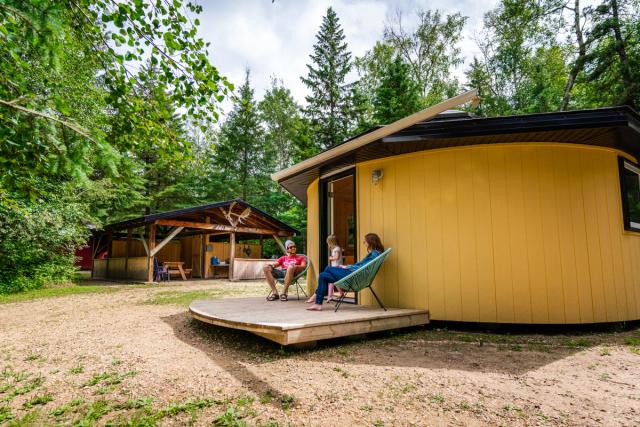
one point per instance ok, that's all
(257, 218)
(615, 127)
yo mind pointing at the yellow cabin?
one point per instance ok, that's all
(524, 219)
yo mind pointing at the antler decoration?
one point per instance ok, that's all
(239, 218)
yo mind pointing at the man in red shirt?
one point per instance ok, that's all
(286, 267)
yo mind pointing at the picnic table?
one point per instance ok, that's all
(175, 267)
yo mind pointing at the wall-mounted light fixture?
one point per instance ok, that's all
(376, 176)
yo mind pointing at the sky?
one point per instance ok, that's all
(275, 39)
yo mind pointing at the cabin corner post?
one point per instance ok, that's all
(127, 252)
(204, 262)
(232, 254)
(152, 245)
(93, 252)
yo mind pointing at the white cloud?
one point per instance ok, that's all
(275, 39)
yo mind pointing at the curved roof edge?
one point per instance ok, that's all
(616, 127)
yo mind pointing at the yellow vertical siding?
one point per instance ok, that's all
(523, 233)
(313, 234)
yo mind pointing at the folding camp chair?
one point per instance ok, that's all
(296, 279)
(362, 278)
(160, 272)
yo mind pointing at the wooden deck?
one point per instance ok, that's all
(289, 323)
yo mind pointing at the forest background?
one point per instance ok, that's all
(110, 109)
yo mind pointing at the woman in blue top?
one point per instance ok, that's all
(333, 274)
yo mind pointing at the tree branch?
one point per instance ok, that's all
(77, 129)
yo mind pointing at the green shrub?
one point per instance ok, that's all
(38, 240)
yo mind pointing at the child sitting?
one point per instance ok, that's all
(335, 259)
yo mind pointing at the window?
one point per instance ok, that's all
(630, 185)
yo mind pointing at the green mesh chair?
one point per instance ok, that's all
(296, 279)
(362, 278)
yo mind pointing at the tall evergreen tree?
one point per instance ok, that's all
(239, 155)
(329, 107)
(287, 136)
(398, 95)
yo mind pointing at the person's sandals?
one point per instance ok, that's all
(283, 297)
(273, 297)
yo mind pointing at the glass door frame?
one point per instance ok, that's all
(325, 204)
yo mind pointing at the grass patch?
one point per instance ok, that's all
(579, 342)
(230, 418)
(108, 378)
(37, 400)
(185, 298)
(77, 370)
(64, 291)
(31, 357)
(437, 398)
(67, 407)
(95, 411)
(513, 409)
(5, 414)
(246, 400)
(633, 342)
(342, 372)
(266, 397)
(29, 386)
(287, 401)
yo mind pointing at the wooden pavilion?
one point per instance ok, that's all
(189, 237)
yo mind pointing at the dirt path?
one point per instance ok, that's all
(116, 358)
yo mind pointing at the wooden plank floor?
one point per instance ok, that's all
(289, 322)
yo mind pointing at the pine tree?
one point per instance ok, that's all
(328, 106)
(239, 155)
(397, 96)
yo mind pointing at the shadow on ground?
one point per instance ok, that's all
(434, 348)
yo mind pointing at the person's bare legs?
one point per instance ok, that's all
(268, 274)
(288, 278)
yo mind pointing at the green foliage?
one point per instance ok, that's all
(525, 67)
(397, 96)
(38, 240)
(230, 418)
(371, 68)
(329, 107)
(240, 157)
(75, 108)
(288, 134)
(612, 62)
(431, 51)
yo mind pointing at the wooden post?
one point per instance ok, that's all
(204, 262)
(127, 252)
(152, 245)
(279, 242)
(109, 252)
(232, 254)
(93, 251)
(110, 244)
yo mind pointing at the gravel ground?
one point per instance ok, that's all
(135, 357)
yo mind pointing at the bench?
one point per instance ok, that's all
(175, 269)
